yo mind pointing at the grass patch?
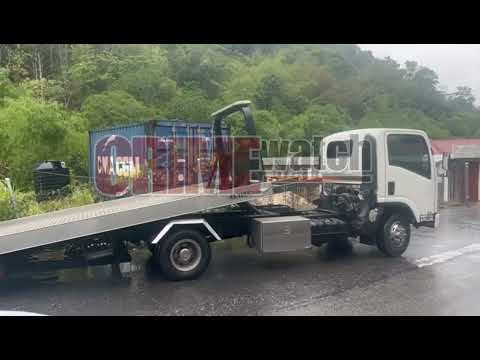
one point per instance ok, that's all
(27, 204)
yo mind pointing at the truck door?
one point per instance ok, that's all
(409, 174)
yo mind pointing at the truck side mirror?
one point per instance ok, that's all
(443, 170)
(445, 161)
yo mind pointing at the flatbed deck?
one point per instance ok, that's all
(55, 227)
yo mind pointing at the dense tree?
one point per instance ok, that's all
(113, 108)
(7, 88)
(34, 131)
(407, 118)
(463, 99)
(317, 120)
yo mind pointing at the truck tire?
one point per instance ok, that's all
(394, 236)
(184, 255)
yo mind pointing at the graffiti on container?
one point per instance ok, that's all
(175, 165)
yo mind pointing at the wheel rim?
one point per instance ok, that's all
(185, 255)
(398, 234)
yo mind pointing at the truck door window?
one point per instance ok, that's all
(409, 152)
(337, 149)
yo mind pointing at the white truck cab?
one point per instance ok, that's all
(396, 163)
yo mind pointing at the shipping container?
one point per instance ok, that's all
(150, 156)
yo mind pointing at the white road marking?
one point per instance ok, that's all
(19, 313)
(448, 255)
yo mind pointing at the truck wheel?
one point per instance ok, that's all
(184, 255)
(394, 237)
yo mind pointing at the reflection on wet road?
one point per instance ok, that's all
(437, 275)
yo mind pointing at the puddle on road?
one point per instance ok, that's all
(141, 264)
(474, 257)
(96, 272)
(79, 274)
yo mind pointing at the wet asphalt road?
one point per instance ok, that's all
(438, 275)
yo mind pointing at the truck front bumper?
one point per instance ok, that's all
(433, 222)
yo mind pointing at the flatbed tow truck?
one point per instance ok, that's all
(393, 188)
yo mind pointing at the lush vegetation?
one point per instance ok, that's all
(25, 203)
(51, 95)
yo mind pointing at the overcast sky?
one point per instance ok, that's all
(455, 64)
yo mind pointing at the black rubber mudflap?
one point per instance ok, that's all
(368, 240)
(3, 272)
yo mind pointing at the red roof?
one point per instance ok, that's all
(440, 146)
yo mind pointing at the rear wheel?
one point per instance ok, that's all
(184, 255)
(394, 237)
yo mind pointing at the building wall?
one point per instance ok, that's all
(478, 183)
(456, 180)
(473, 177)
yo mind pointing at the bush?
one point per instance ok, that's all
(6, 209)
(27, 204)
(33, 131)
(113, 108)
